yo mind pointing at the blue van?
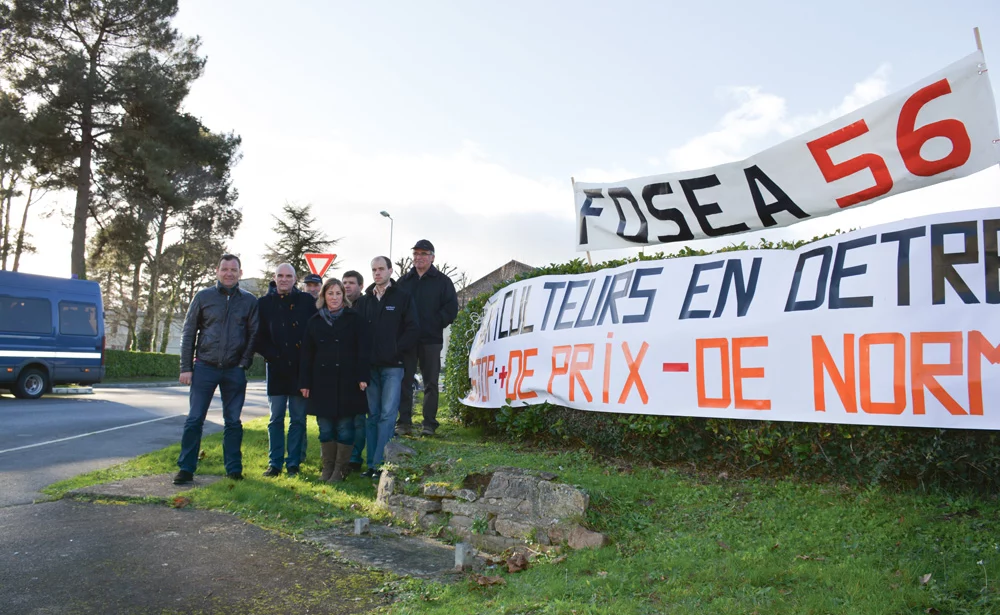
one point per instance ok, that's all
(51, 332)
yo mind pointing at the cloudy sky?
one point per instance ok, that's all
(466, 121)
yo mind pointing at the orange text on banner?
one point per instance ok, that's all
(848, 381)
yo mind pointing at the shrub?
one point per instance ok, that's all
(856, 453)
(128, 364)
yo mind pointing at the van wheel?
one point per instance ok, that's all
(31, 384)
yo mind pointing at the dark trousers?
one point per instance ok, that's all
(232, 383)
(428, 356)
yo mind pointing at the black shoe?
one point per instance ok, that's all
(183, 477)
(367, 473)
(272, 472)
(427, 431)
(293, 471)
(354, 466)
(235, 476)
(376, 475)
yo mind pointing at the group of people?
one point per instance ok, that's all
(345, 355)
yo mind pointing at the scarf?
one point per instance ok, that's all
(328, 316)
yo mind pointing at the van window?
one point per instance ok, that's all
(25, 315)
(77, 318)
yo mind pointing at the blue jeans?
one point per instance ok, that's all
(232, 384)
(383, 407)
(341, 430)
(360, 435)
(296, 430)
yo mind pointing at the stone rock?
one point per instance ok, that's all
(558, 501)
(525, 472)
(464, 494)
(506, 486)
(396, 452)
(435, 490)
(460, 522)
(582, 538)
(430, 520)
(414, 503)
(514, 529)
(406, 515)
(461, 508)
(386, 487)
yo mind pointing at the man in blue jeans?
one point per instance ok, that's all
(391, 318)
(354, 284)
(216, 351)
(283, 317)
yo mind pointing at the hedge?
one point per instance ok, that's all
(128, 364)
(950, 458)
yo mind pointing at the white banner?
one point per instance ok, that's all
(894, 325)
(941, 128)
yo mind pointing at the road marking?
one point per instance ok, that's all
(92, 433)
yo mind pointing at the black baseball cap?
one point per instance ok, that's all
(423, 244)
(312, 278)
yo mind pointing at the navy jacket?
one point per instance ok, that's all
(392, 324)
(279, 337)
(436, 299)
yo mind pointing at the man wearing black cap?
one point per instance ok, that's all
(313, 283)
(437, 306)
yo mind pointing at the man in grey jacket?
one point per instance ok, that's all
(216, 351)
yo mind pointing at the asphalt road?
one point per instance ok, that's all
(57, 437)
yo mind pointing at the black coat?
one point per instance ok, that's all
(437, 302)
(392, 324)
(283, 322)
(334, 361)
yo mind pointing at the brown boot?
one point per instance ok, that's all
(329, 457)
(343, 458)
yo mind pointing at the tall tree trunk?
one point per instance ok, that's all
(5, 231)
(149, 322)
(168, 317)
(78, 253)
(24, 222)
(133, 305)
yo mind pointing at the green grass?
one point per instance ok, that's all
(681, 543)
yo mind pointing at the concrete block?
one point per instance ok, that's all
(361, 526)
(465, 556)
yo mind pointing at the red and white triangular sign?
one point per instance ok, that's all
(319, 263)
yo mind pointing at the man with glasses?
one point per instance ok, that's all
(437, 305)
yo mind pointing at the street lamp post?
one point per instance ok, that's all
(391, 221)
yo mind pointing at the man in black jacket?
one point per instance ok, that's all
(283, 317)
(391, 318)
(216, 351)
(437, 306)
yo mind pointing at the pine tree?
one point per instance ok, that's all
(297, 236)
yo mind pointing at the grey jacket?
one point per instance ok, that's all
(219, 328)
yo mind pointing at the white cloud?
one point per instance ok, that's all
(761, 119)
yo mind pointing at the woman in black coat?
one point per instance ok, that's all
(333, 376)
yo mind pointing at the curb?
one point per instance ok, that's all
(150, 385)
(72, 390)
(137, 385)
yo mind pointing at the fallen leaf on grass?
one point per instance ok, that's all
(776, 546)
(723, 545)
(558, 560)
(810, 557)
(180, 502)
(517, 563)
(925, 579)
(486, 581)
